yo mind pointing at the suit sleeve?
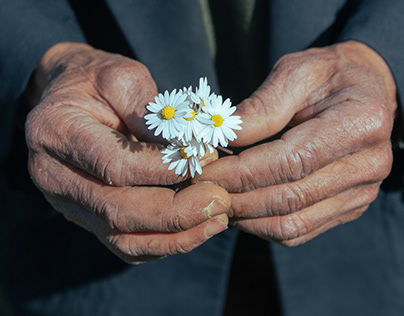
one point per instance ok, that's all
(380, 24)
(27, 30)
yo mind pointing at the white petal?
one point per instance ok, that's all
(174, 97)
(153, 107)
(182, 167)
(173, 165)
(153, 125)
(210, 148)
(215, 137)
(204, 132)
(159, 98)
(159, 130)
(198, 167)
(222, 138)
(166, 98)
(205, 119)
(181, 98)
(230, 110)
(228, 132)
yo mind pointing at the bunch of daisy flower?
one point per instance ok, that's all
(194, 123)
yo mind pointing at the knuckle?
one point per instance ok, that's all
(288, 243)
(123, 71)
(289, 227)
(292, 243)
(31, 131)
(176, 222)
(293, 227)
(248, 178)
(35, 129)
(288, 199)
(295, 198)
(133, 251)
(170, 247)
(110, 212)
(299, 65)
(41, 172)
(289, 63)
(108, 170)
(110, 167)
(353, 215)
(377, 122)
(256, 103)
(386, 164)
(298, 163)
(370, 194)
(125, 248)
(374, 166)
(381, 165)
(182, 247)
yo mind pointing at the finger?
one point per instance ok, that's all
(115, 92)
(292, 226)
(131, 209)
(98, 149)
(209, 158)
(163, 244)
(127, 86)
(306, 83)
(342, 219)
(139, 247)
(281, 199)
(289, 89)
(306, 148)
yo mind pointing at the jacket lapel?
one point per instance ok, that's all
(169, 37)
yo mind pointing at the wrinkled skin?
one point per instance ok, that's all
(93, 158)
(340, 103)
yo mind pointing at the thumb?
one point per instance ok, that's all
(267, 111)
(296, 82)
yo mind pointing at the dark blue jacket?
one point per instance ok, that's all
(49, 266)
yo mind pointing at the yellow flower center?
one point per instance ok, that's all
(168, 112)
(183, 153)
(192, 117)
(217, 120)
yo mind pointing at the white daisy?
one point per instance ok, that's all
(199, 148)
(202, 93)
(192, 126)
(182, 158)
(169, 113)
(188, 92)
(219, 122)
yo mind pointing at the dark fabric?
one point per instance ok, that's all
(49, 266)
(241, 52)
(253, 285)
(27, 31)
(353, 269)
(169, 38)
(378, 24)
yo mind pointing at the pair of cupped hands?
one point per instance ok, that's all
(94, 159)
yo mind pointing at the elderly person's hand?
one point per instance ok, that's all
(340, 103)
(94, 159)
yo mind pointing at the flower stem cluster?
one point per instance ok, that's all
(194, 122)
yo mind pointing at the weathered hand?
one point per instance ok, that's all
(92, 156)
(324, 171)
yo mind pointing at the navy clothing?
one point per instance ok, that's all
(49, 266)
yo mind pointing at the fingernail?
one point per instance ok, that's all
(206, 161)
(216, 225)
(215, 208)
